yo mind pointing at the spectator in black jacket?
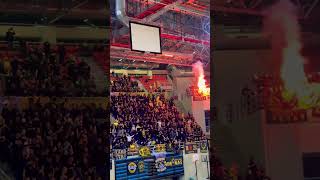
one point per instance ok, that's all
(10, 35)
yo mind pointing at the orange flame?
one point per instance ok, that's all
(296, 85)
(199, 73)
(202, 88)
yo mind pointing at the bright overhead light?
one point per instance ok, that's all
(168, 55)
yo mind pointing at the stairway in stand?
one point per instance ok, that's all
(98, 73)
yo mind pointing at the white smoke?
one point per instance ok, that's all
(197, 69)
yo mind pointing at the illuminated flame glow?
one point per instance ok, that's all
(297, 89)
(199, 74)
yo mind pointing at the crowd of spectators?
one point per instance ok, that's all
(149, 120)
(54, 141)
(123, 83)
(40, 72)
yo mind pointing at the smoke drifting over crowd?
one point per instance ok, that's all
(281, 23)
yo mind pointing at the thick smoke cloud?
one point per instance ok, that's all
(282, 25)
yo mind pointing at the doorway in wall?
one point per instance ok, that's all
(311, 166)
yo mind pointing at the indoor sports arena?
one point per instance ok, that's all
(160, 89)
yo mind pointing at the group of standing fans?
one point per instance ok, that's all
(123, 83)
(42, 71)
(148, 119)
(45, 76)
(53, 136)
(54, 140)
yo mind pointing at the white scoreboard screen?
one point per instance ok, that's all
(145, 38)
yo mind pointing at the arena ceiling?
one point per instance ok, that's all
(185, 30)
(55, 12)
(249, 13)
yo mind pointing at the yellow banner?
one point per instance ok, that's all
(160, 148)
(144, 151)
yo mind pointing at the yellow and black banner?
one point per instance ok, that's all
(160, 148)
(203, 147)
(144, 151)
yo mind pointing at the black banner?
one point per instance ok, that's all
(203, 147)
(169, 148)
(191, 148)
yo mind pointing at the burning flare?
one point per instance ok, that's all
(282, 23)
(197, 69)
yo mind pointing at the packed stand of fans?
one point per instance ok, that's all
(40, 72)
(148, 120)
(123, 83)
(52, 141)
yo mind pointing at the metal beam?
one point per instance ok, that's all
(242, 3)
(193, 10)
(124, 52)
(256, 3)
(236, 10)
(75, 14)
(314, 3)
(63, 14)
(160, 12)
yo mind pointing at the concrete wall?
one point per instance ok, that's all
(190, 167)
(247, 133)
(198, 108)
(180, 85)
(112, 171)
(285, 145)
(279, 148)
(232, 70)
